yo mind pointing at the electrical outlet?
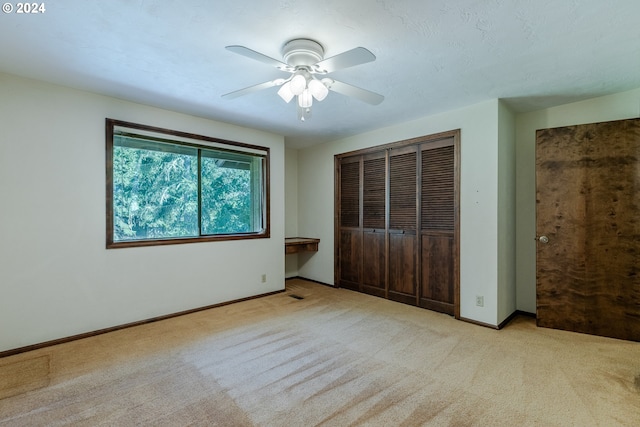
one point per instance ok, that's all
(479, 301)
(264, 278)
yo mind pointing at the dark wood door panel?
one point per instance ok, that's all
(402, 190)
(588, 207)
(350, 194)
(438, 189)
(438, 224)
(613, 230)
(438, 280)
(561, 212)
(350, 258)
(402, 265)
(374, 192)
(374, 254)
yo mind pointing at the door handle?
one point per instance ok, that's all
(542, 239)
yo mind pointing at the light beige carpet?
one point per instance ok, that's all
(334, 358)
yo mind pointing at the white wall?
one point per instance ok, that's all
(291, 207)
(619, 106)
(56, 277)
(479, 199)
(506, 213)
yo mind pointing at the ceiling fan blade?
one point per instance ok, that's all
(350, 58)
(251, 89)
(355, 92)
(245, 51)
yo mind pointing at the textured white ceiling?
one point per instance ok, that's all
(432, 55)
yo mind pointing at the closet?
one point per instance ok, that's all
(397, 221)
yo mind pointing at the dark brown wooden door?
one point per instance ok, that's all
(403, 240)
(374, 224)
(438, 226)
(588, 228)
(349, 264)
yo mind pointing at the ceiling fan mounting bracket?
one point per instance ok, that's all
(302, 52)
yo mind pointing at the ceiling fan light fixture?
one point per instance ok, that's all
(305, 99)
(285, 92)
(318, 90)
(298, 84)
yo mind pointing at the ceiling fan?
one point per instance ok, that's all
(304, 60)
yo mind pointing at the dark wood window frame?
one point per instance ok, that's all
(202, 142)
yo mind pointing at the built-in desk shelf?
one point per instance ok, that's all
(293, 245)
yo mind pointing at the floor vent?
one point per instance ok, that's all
(296, 296)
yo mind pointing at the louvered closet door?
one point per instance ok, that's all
(373, 223)
(402, 225)
(350, 241)
(437, 226)
(397, 232)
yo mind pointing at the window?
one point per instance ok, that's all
(167, 187)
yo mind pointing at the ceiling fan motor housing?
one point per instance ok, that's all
(302, 52)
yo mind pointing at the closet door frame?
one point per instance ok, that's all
(434, 140)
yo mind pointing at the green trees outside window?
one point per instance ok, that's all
(164, 188)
